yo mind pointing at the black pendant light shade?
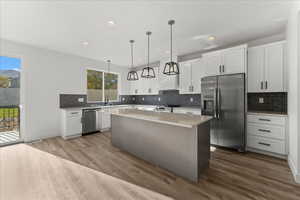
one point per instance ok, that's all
(148, 72)
(171, 68)
(132, 74)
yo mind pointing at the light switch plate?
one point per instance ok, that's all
(158, 99)
(123, 99)
(260, 100)
(191, 99)
(143, 98)
(81, 100)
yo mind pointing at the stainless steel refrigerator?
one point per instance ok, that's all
(223, 97)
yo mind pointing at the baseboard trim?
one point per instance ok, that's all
(294, 170)
(266, 153)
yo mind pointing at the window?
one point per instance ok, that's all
(102, 86)
(111, 86)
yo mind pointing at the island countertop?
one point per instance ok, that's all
(176, 119)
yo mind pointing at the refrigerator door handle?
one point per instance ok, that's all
(218, 103)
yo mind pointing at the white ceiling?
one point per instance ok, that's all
(64, 25)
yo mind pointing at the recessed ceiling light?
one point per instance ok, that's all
(85, 43)
(199, 37)
(211, 38)
(111, 23)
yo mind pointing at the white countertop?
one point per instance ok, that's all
(266, 113)
(131, 106)
(176, 119)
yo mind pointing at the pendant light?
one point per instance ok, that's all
(171, 68)
(108, 65)
(148, 72)
(132, 74)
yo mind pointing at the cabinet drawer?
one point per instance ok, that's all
(74, 113)
(266, 144)
(270, 131)
(266, 119)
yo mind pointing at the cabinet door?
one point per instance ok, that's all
(134, 87)
(104, 119)
(153, 83)
(256, 69)
(185, 77)
(73, 126)
(233, 61)
(212, 63)
(198, 72)
(274, 68)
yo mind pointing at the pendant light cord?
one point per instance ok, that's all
(131, 45)
(148, 33)
(171, 41)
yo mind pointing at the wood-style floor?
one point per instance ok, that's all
(231, 175)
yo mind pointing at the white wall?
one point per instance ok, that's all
(46, 74)
(293, 62)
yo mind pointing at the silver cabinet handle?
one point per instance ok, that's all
(266, 84)
(267, 120)
(223, 68)
(261, 85)
(265, 144)
(220, 68)
(264, 130)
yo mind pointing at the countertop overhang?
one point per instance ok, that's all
(175, 119)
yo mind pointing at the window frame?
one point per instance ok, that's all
(103, 84)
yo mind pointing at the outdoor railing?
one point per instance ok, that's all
(9, 118)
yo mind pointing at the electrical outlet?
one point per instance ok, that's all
(260, 100)
(158, 99)
(191, 99)
(81, 100)
(143, 99)
(123, 99)
(133, 98)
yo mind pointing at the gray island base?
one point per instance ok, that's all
(179, 143)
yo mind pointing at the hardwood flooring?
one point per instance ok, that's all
(231, 175)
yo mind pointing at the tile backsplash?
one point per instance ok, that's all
(167, 97)
(163, 98)
(270, 102)
(72, 100)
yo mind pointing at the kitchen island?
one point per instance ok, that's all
(179, 143)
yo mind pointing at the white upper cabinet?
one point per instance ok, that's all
(185, 77)
(256, 70)
(190, 76)
(226, 61)
(212, 63)
(274, 68)
(266, 71)
(234, 60)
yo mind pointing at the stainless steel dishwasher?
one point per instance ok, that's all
(89, 121)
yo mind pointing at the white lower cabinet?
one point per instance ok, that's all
(267, 133)
(104, 119)
(71, 123)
